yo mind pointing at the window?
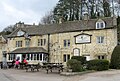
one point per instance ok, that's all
(20, 33)
(66, 43)
(100, 25)
(11, 57)
(100, 39)
(66, 57)
(35, 56)
(18, 43)
(76, 51)
(101, 57)
(28, 56)
(27, 43)
(31, 56)
(41, 42)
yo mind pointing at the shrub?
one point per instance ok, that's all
(74, 65)
(98, 65)
(80, 58)
(115, 58)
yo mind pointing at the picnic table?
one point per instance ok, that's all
(54, 66)
(32, 67)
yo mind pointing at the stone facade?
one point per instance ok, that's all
(91, 42)
(3, 46)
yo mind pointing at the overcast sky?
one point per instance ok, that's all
(27, 11)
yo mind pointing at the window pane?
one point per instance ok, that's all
(103, 57)
(27, 43)
(41, 57)
(31, 56)
(97, 25)
(28, 56)
(68, 42)
(64, 58)
(9, 57)
(102, 39)
(64, 43)
(41, 42)
(37, 56)
(44, 41)
(38, 42)
(34, 56)
(99, 57)
(68, 57)
(101, 25)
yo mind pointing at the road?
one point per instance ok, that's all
(21, 75)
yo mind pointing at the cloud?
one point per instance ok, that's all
(28, 11)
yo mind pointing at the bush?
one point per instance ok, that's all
(115, 58)
(74, 65)
(80, 58)
(98, 65)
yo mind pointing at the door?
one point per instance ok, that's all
(19, 56)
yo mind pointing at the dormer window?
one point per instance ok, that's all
(20, 33)
(100, 24)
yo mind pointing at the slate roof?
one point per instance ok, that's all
(5, 37)
(70, 26)
(27, 50)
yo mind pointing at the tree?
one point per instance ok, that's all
(9, 29)
(115, 58)
(106, 8)
(48, 18)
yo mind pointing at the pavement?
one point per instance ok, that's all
(22, 75)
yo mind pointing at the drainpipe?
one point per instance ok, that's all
(48, 47)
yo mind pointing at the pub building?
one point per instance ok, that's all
(57, 43)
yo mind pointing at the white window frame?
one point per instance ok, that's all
(100, 39)
(99, 26)
(66, 42)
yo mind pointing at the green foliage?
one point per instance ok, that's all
(74, 65)
(118, 20)
(98, 65)
(106, 7)
(71, 10)
(115, 58)
(80, 58)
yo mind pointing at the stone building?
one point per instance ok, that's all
(92, 38)
(3, 46)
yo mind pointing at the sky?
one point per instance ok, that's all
(27, 11)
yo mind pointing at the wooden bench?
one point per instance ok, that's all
(32, 67)
(51, 67)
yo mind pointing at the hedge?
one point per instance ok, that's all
(115, 58)
(98, 65)
(80, 58)
(75, 65)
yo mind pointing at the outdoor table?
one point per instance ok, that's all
(53, 66)
(32, 67)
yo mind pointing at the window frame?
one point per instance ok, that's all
(100, 25)
(66, 42)
(66, 57)
(18, 43)
(100, 39)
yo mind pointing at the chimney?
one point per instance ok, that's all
(114, 20)
(34, 24)
(20, 24)
(86, 16)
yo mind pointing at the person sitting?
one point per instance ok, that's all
(17, 63)
(25, 61)
(13, 63)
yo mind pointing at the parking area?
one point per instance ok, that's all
(22, 75)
